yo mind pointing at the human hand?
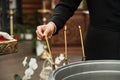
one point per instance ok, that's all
(45, 30)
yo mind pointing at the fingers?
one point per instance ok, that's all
(39, 38)
(44, 30)
(48, 32)
(40, 32)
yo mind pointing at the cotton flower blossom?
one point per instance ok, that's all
(62, 57)
(57, 60)
(29, 71)
(33, 64)
(25, 77)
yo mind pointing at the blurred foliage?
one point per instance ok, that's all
(23, 28)
(17, 77)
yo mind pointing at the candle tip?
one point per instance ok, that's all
(65, 27)
(79, 26)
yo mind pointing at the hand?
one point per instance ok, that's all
(45, 30)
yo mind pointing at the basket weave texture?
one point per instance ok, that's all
(8, 47)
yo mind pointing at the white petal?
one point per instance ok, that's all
(61, 57)
(57, 60)
(24, 61)
(34, 66)
(26, 77)
(29, 72)
(33, 63)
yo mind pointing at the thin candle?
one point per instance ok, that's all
(65, 38)
(11, 24)
(53, 64)
(83, 53)
(12, 6)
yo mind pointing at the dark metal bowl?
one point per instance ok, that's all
(88, 70)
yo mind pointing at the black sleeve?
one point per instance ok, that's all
(63, 11)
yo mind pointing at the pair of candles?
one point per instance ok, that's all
(83, 53)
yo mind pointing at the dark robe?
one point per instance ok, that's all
(103, 35)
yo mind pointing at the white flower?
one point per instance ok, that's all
(33, 64)
(57, 60)
(29, 72)
(26, 77)
(61, 57)
(24, 61)
(31, 67)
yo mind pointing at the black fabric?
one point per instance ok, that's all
(102, 44)
(103, 37)
(63, 11)
(104, 14)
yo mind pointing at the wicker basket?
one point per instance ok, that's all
(8, 47)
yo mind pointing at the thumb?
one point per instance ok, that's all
(48, 32)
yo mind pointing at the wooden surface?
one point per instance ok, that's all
(30, 7)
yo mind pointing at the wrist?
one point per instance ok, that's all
(53, 24)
